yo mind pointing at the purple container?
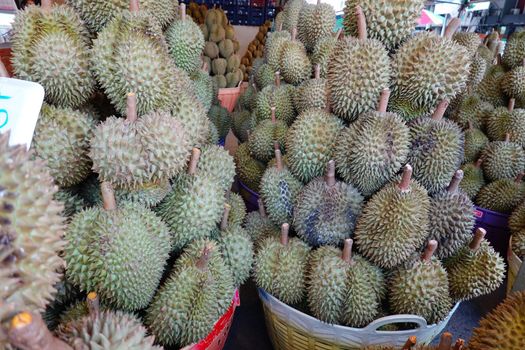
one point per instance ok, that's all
(497, 226)
(250, 197)
(222, 142)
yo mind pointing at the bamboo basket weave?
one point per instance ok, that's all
(514, 263)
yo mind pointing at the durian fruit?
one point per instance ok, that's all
(473, 110)
(389, 22)
(502, 195)
(279, 190)
(498, 122)
(291, 13)
(192, 115)
(278, 96)
(475, 143)
(516, 126)
(470, 41)
(66, 295)
(322, 52)
(216, 163)
(513, 83)
(503, 160)
(82, 308)
(211, 50)
(514, 51)
(265, 76)
(149, 194)
(119, 252)
(436, 151)
(280, 267)
(236, 248)
(477, 269)
(237, 212)
(421, 288)
(428, 68)
(72, 202)
(339, 287)
(259, 226)
(388, 241)
(478, 69)
(247, 98)
(310, 143)
(473, 179)
(50, 46)
(294, 64)
(132, 152)
(264, 136)
(203, 85)
(354, 61)
(243, 123)
(311, 93)
(489, 88)
(503, 328)
(249, 170)
(61, 139)
(517, 228)
(98, 14)
(452, 218)
(315, 23)
(518, 243)
(194, 206)
(31, 232)
(326, 210)
(486, 54)
(372, 149)
(197, 292)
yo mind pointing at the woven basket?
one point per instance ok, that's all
(514, 267)
(290, 329)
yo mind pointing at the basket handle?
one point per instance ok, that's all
(372, 327)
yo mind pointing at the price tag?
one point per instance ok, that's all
(20, 103)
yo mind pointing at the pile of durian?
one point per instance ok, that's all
(118, 228)
(255, 49)
(356, 155)
(197, 12)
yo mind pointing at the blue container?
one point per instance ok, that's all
(250, 197)
(497, 226)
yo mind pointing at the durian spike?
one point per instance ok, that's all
(93, 303)
(3, 70)
(278, 159)
(108, 196)
(28, 331)
(195, 155)
(445, 342)
(477, 239)
(204, 258)
(45, 5)
(512, 103)
(277, 79)
(460, 345)
(478, 163)
(330, 174)
(383, 100)
(274, 119)
(452, 27)
(440, 110)
(411, 341)
(134, 6)
(204, 67)
(507, 137)
(361, 23)
(456, 180)
(429, 250)
(262, 212)
(294, 33)
(225, 215)
(317, 71)
(284, 234)
(404, 185)
(347, 250)
(131, 107)
(519, 178)
(182, 7)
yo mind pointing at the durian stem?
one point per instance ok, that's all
(278, 158)
(404, 185)
(284, 234)
(182, 7)
(411, 341)
(131, 107)
(383, 100)
(338, 34)
(477, 239)
(204, 258)
(445, 342)
(254, 87)
(46, 5)
(204, 67)
(470, 127)
(519, 178)
(294, 33)
(507, 137)
(93, 303)
(512, 103)
(274, 119)
(195, 155)
(108, 196)
(460, 345)
(456, 180)
(28, 331)
(134, 6)
(262, 212)
(429, 250)
(452, 27)
(478, 163)
(277, 79)
(3, 70)
(347, 250)
(330, 174)
(523, 63)
(317, 71)
(440, 110)
(225, 215)
(361, 23)
(280, 27)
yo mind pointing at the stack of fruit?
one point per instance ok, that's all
(255, 49)
(123, 198)
(197, 12)
(332, 153)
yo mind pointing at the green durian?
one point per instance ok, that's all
(472, 110)
(406, 109)
(501, 195)
(517, 219)
(421, 288)
(436, 151)
(291, 13)
(226, 48)
(388, 241)
(503, 160)
(502, 328)
(244, 123)
(518, 243)
(202, 83)
(265, 76)
(221, 82)
(315, 23)
(50, 46)
(469, 40)
(217, 33)
(213, 137)
(238, 209)
(249, 170)
(211, 50)
(233, 78)
(192, 115)
(311, 142)
(294, 64)
(216, 163)
(119, 252)
(475, 143)
(498, 122)
(311, 93)
(197, 292)
(147, 194)
(486, 54)
(280, 267)
(277, 96)
(259, 226)
(452, 218)
(61, 139)
(274, 48)
(194, 206)
(513, 83)
(489, 87)
(476, 269)
(326, 210)
(247, 98)
(72, 202)
(221, 118)
(218, 66)
(514, 51)
(31, 233)
(234, 62)
(66, 295)
(322, 52)
(265, 135)
(478, 69)
(185, 42)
